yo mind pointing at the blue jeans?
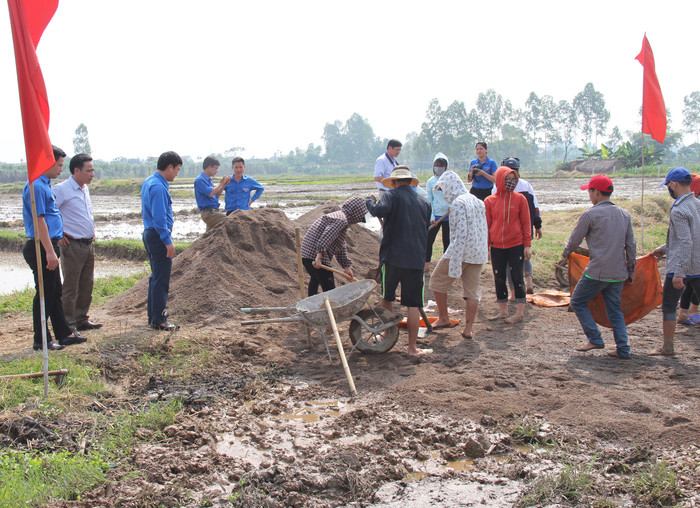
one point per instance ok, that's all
(585, 291)
(159, 281)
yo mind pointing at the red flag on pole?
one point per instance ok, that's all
(28, 19)
(653, 107)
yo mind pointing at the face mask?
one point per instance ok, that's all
(438, 171)
(510, 184)
(673, 194)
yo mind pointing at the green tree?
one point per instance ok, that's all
(565, 122)
(81, 143)
(590, 108)
(691, 115)
(490, 115)
(532, 116)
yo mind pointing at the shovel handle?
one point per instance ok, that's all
(349, 277)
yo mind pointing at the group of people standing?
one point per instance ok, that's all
(496, 219)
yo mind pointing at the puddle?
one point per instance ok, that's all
(16, 275)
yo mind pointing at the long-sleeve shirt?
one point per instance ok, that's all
(327, 235)
(683, 237)
(238, 193)
(157, 207)
(75, 205)
(203, 185)
(45, 206)
(439, 206)
(406, 219)
(607, 229)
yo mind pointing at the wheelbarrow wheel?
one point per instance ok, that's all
(374, 343)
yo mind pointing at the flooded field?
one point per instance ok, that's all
(118, 216)
(117, 219)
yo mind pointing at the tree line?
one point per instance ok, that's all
(544, 133)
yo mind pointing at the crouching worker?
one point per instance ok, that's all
(466, 254)
(404, 242)
(325, 239)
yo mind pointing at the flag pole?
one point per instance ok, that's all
(40, 288)
(642, 205)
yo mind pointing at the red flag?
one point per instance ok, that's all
(653, 107)
(28, 19)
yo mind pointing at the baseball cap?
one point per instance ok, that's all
(679, 174)
(599, 182)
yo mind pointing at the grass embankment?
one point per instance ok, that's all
(557, 227)
(121, 248)
(30, 477)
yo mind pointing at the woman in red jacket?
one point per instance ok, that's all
(510, 237)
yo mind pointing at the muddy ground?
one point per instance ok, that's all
(268, 421)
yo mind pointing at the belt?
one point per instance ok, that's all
(79, 240)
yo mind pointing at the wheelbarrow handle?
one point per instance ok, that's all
(273, 320)
(250, 310)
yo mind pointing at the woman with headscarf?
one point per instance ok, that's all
(466, 254)
(439, 208)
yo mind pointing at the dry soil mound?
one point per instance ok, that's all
(249, 260)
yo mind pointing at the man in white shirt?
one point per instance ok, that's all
(386, 163)
(77, 244)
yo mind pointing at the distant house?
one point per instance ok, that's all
(596, 166)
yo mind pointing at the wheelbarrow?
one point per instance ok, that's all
(373, 330)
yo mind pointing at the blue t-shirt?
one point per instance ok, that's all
(45, 205)
(157, 206)
(203, 186)
(489, 166)
(238, 194)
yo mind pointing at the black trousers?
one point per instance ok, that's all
(689, 296)
(500, 259)
(432, 234)
(482, 194)
(53, 291)
(319, 277)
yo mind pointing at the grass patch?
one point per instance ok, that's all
(80, 385)
(571, 484)
(104, 289)
(34, 479)
(654, 485)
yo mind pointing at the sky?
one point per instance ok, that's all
(146, 76)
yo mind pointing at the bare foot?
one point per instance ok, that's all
(514, 319)
(419, 352)
(443, 324)
(467, 335)
(661, 352)
(497, 316)
(589, 346)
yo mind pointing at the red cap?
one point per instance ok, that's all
(599, 182)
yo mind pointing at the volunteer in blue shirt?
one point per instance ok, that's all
(239, 189)
(207, 195)
(482, 171)
(157, 212)
(49, 227)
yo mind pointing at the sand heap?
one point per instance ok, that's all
(249, 260)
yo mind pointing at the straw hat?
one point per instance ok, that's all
(400, 173)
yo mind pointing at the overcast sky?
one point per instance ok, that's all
(147, 76)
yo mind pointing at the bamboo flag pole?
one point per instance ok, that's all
(40, 287)
(300, 267)
(339, 344)
(642, 205)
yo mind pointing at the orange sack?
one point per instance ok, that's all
(638, 299)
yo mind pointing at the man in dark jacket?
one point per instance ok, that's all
(406, 218)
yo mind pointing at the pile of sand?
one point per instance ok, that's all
(249, 260)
